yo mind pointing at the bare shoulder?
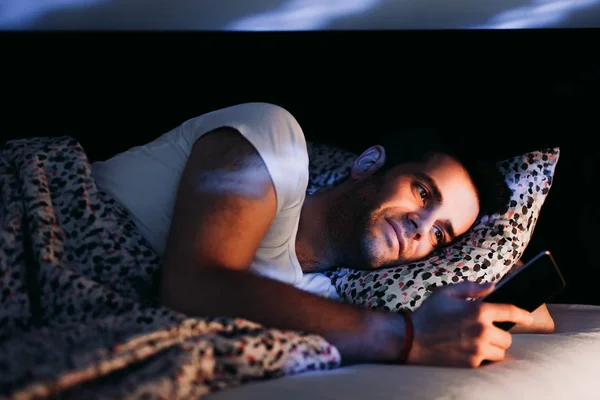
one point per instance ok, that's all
(225, 162)
(224, 207)
(224, 146)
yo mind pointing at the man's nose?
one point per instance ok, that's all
(420, 224)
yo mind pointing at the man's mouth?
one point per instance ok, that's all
(399, 236)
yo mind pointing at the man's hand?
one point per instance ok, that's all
(542, 322)
(451, 331)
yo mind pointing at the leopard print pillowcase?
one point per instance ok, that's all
(485, 254)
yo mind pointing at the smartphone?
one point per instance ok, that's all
(532, 285)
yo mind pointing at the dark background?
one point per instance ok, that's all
(498, 92)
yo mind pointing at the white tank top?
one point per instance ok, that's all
(145, 180)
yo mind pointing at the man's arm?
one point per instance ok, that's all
(216, 230)
(543, 322)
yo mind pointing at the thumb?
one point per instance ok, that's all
(468, 289)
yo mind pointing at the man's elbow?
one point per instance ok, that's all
(174, 290)
(167, 295)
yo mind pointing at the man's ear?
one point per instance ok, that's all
(368, 163)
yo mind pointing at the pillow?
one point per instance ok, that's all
(327, 166)
(484, 254)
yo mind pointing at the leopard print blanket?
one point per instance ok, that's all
(77, 312)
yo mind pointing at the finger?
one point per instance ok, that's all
(499, 338)
(493, 353)
(483, 290)
(468, 289)
(483, 352)
(506, 313)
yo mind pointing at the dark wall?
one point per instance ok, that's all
(501, 93)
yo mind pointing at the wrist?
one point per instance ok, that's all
(387, 332)
(409, 332)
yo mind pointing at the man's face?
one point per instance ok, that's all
(404, 214)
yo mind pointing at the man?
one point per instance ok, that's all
(222, 199)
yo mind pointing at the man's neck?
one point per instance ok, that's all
(313, 245)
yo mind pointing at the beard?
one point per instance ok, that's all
(352, 223)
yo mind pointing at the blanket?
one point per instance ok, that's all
(78, 310)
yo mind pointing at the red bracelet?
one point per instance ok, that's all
(408, 339)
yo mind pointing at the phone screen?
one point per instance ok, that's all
(532, 285)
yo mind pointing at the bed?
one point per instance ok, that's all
(69, 328)
(563, 365)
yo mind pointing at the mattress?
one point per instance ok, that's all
(559, 366)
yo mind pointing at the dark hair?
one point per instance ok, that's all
(417, 145)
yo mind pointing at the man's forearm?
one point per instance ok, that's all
(359, 334)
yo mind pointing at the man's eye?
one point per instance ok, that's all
(422, 192)
(439, 235)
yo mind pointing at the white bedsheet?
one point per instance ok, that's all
(561, 366)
